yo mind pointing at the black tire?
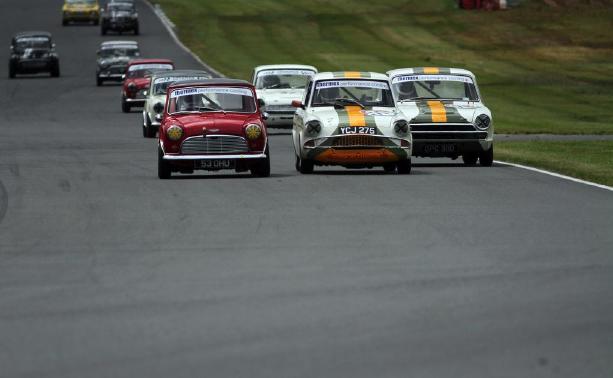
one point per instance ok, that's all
(103, 30)
(99, 81)
(305, 166)
(164, 171)
(136, 30)
(470, 158)
(404, 167)
(96, 22)
(149, 130)
(486, 158)
(64, 22)
(389, 168)
(125, 107)
(12, 71)
(262, 167)
(55, 71)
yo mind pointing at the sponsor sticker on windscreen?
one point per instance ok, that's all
(286, 72)
(210, 90)
(352, 84)
(162, 80)
(148, 66)
(405, 78)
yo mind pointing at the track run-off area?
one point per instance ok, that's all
(106, 271)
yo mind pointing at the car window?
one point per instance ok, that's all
(32, 42)
(434, 87)
(141, 70)
(212, 99)
(283, 79)
(367, 93)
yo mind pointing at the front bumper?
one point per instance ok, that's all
(110, 76)
(449, 140)
(213, 157)
(120, 25)
(357, 150)
(81, 16)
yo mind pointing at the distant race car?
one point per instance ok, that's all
(119, 17)
(155, 99)
(81, 11)
(278, 85)
(446, 113)
(350, 119)
(112, 60)
(212, 124)
(137, 78)
(33, 52)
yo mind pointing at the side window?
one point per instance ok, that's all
(308, 92)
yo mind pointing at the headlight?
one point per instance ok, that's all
(253, 131)
(313, 128)
(483, 122)
(401, 128)
(132, 87)
(174, 133)
(158, 108)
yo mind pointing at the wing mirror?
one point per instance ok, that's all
(261, 103)
(297, 104)
(145, 93)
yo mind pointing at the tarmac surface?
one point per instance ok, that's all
(106, 271)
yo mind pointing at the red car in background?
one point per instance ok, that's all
(212, 125)
(136, 80)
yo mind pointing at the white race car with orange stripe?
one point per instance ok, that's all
(350, 119)
(446, 113)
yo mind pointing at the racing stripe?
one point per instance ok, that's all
(431, 70)
(356, 116)
(439, 114)
(353, 75)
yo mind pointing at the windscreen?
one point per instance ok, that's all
(40, 42)
(434, 87)
(141, 70)
(366, 93)
(160, 84)
(212, 99)
(119, 51)
(283, 79)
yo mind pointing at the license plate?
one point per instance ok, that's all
(358, 130)
(214, 164)
(440, 148)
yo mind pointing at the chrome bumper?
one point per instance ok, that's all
(213, 157)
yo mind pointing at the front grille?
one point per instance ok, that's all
(214, 144)
(280, 109)
(443, 127)
(450, 136)
(117, 69)
(357, 141)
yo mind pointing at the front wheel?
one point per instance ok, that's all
(164, 171)
(55, 71)
(404, 167)
(103, 30)
(486, 158)
(262, 167)
(98, 81)
(305, 166)
(149, 130)
(389, 168)
(470, 158)
(125, 107)
(12, 71)
(136, 31)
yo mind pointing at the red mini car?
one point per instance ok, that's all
(212, 125)
(136, 80)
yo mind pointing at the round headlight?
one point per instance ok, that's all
(313, 128)
(401, 128)
(158, 108)
(253, 131)
(483, 122)
(174, 133)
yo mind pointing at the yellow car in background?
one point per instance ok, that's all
(81, 11)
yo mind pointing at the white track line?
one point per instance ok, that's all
(605, 187)
(171, 30)
(170, 27)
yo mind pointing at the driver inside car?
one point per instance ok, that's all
(271, 81)
(328, 95)
(187, 103)
(406, 91)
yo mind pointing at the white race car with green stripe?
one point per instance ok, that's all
(446, 113)
(350, 119)
(277, 86)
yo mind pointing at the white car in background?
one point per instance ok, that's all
(277, 86)
(350, 119)
(446, 113)
(155, 98)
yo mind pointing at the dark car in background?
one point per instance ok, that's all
(112, 60)
(33, 52)
(119, 17)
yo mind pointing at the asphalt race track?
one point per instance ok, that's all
(106, 271)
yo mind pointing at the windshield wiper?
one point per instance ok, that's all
(417, 99)
(348, 101)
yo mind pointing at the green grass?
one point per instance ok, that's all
(591, 161)
(540, 69)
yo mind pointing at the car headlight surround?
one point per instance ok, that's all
(483, 122)
(174, 133)
(158, 107)
(253, 131)
(313, 128)
(402, 128)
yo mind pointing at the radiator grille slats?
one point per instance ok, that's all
(214, 144)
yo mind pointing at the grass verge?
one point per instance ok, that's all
(541, 69)
(592, 161)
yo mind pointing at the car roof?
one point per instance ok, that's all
(145, 61)
(216, 81)
(181, 73)
(285, 66)
(349, 75)
(430, 71)
(32, 34)
(111, 44)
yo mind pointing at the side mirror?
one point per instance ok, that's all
(297, 104)
(261, 103)
(145, 93)
(264, 116)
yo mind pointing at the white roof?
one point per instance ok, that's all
(419, 70)
(350, 75)
(112, 43)
(285, 67)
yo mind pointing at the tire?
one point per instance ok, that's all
(103, 30)
(12, 71)
(262, 169)
(125, 107)
(305, 166)
(64, 22)
(55, 71)
(404, 167)
(164, 171)
(136, 30)
(470, 158)
(99, 81)
(149, 131)
(389, 168)
(486, 158)
(96, 22)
